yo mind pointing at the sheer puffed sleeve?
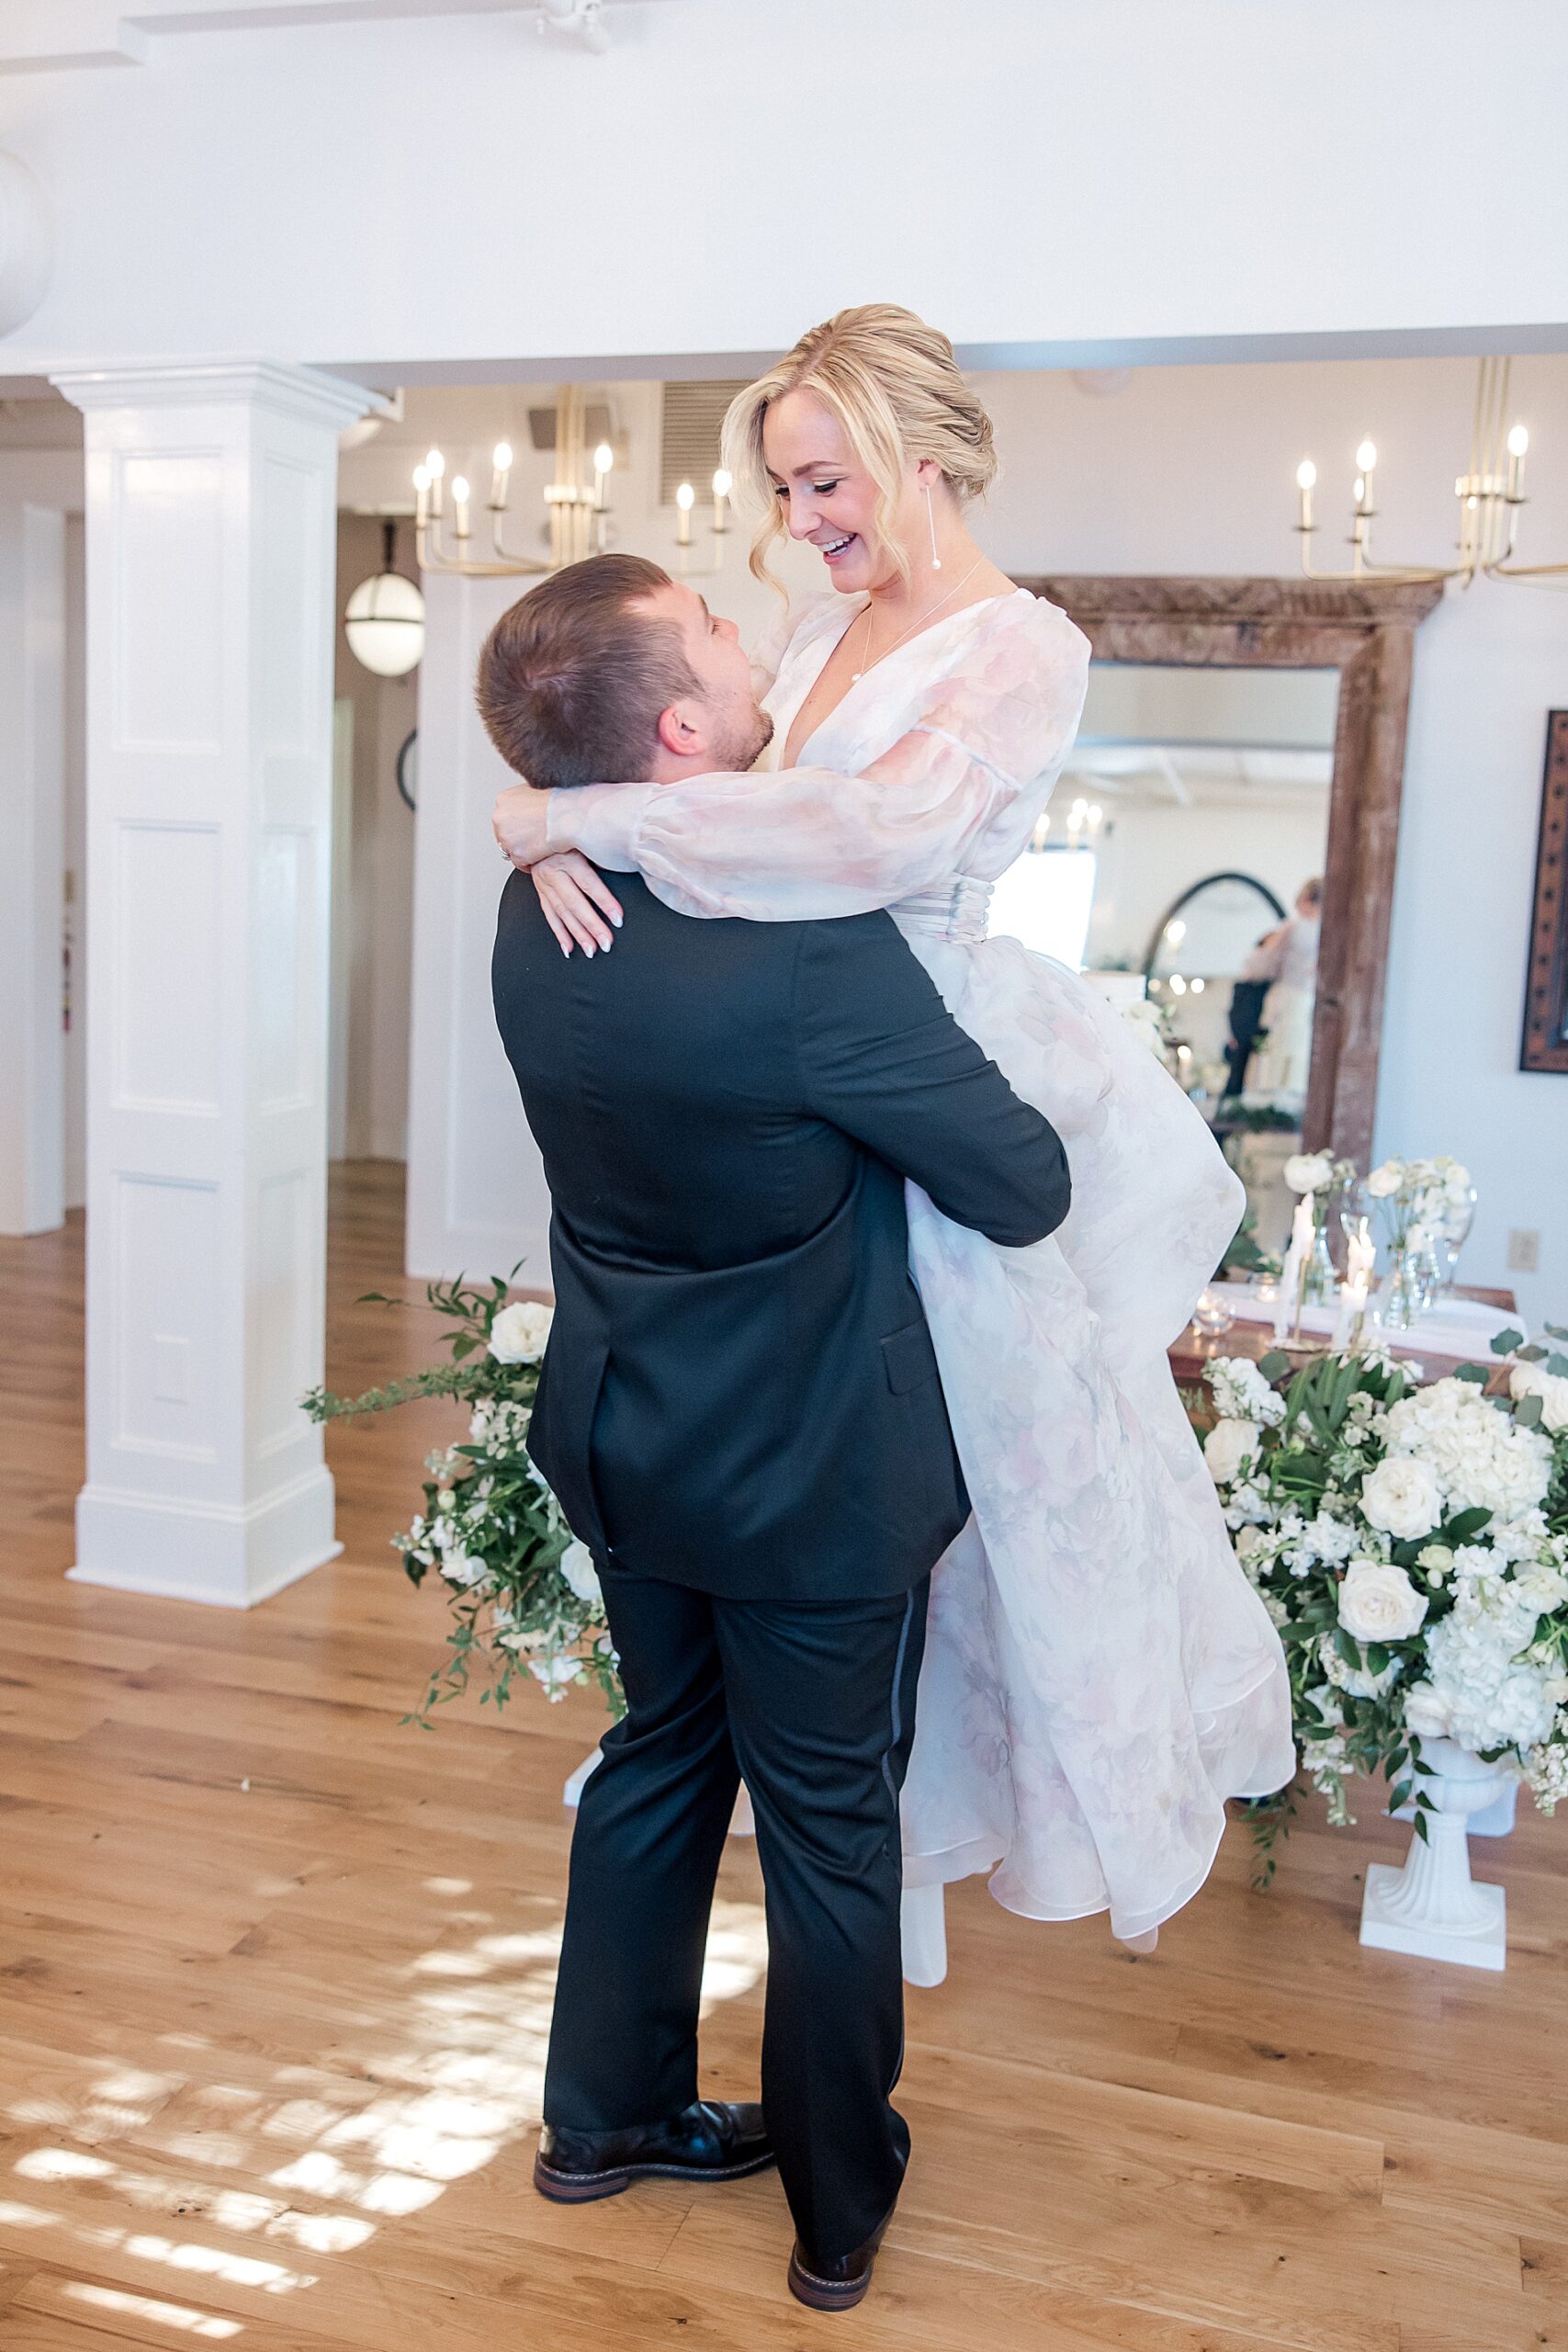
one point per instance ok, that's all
(803, 842)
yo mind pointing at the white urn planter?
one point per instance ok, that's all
(1432, 1907)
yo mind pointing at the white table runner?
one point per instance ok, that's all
(1455, 1327)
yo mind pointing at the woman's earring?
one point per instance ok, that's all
(931, 518)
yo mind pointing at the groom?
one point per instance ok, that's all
(740, 1414)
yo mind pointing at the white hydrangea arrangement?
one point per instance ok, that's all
(1410, 1545)
(524, 1592)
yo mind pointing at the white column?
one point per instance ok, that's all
(32, 863)
(211, 579)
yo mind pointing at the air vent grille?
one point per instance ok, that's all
(693, 416)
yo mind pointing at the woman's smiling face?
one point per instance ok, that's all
(825, 493)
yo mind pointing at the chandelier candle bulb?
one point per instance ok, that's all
(1518, 442)
(604, 459)
(460, 505)
(721, 488)
(685, 499)
(500, 470)
(1306, 479)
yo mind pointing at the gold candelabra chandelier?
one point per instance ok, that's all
(1490, 493)
(576, 503)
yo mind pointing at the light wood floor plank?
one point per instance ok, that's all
(271, 2054)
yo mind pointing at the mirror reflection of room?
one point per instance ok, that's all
(1181, 860)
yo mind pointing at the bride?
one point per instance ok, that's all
(1099, 1676)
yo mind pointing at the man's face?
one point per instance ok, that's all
(731, 730)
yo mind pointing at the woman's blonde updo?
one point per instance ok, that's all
(897, 391)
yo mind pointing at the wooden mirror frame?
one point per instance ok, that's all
(1545, 1043)
(1366, 631)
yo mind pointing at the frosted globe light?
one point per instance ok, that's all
(1367, 456)
(1306, 475)
(1518, 442)
(1178, 985)
(1197, 988)
(1176, 930)
(384, 618)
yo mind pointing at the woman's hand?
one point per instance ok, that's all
(520, 821)
(572, 893)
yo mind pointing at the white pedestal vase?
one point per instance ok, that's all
(1432, 1907)
(1496, 1821)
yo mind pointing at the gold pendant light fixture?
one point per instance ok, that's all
(1490, 494)
(576, 504)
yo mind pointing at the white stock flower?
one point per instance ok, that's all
(1228, 1445)
(1241, 1393)
(1328, 1539)
(1384, 1181)
(1309, 1171)
(1357, 1681)
(1379, 1603)
(519, 1332)
(1401, 1495)
(557, 1674)
(1551, 1387)
(577, 1567)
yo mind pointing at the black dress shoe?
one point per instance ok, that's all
(838, 2285)
(710, 2140)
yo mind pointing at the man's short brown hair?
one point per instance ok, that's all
(571, 682)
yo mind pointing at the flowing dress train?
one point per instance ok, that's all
(1100, 1676)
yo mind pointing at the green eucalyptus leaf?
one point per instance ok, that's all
(1527, 1412)
(1274, 1365)
(1506, 1341)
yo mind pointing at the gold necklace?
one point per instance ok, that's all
(919, 622)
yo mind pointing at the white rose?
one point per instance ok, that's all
(1248, 1542)
(1425, 1712)
(1309, 1171)
(1379, 1603)
(1228, 1445)
(1384, 1181)
(576, 1565)
(519, 1332)
(1551, 1387)
(1401, 1495)
(462, 1568)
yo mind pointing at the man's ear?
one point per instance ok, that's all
(678, 732)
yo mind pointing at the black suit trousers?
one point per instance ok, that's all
(814, 1703)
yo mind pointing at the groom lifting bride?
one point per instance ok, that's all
(802, 1155)
(740, 1414)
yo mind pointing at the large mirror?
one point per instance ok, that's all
(1224, 839)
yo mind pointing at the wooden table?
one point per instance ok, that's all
(1195, 1347)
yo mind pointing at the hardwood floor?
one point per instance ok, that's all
(275, 1980)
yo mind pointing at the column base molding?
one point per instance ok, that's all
(228, 1556)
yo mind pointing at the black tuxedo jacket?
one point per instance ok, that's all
(740, 1392)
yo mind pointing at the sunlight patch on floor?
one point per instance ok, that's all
(144, 2307)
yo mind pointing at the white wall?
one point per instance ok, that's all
(1057, 179)
(1187, 469)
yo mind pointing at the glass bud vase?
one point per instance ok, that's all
(1402, 1296)
(1319, 1280)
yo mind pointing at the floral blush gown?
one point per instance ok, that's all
(1098, 1674)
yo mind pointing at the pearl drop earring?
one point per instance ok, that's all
(931, 518)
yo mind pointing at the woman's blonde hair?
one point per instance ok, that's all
(895, 388)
